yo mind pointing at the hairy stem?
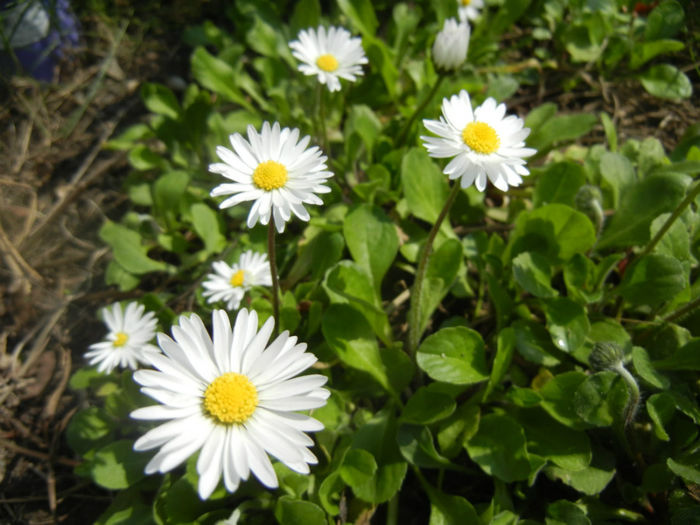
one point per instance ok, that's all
(414, 329)
(273, 273)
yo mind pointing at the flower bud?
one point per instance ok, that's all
(451, 44)
(606, 356)
(589, 200)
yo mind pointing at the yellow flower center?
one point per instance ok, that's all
(237, 278)
(481, 137)
(231, 398)
(465, 3)
(327, 63)
(270, 175)
(121, 339)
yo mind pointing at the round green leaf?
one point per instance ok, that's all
(532, 271)
(290, 511)
(499, 448)
(666, 81)
(425, 407)
(117, 466)
(652, 280)
(567, 323)
(454, 355)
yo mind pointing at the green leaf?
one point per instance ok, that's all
(425, 187)
(642, 52)
(142, 158)
(567, 323)
(581, 279)
(216, 75)
(316, 255)
(208, 225)
(557, 395)
(666, 81)
(372, 240)
(160, 100)
(358, 468)
(640, 204)
(416, 445)
(426, 407)
(347, 282)
(458, 428)
(307, 13)
(446, 509)
(653, 279)
(600, 399)
(591, 480)
(618, 173)
(534, 343)
(127, 508)
(531, 270)
(443, 265)
(362, 122)
(168, 191)
(361, 15)
(89, 429)
(559, 182)
(556, 231)
(290, 511)
(661, 408)
(664, 21)
(559, 129)
(685, 358)
(688, 472)
(116, 466)
(645, 369)
(454, 355)
(378, 437)
(499, 448)
(564, 512)
(351, 337)
(501, 362)
(567, 448)
(127, 249)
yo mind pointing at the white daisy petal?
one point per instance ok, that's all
(241, 415)
(484, 144)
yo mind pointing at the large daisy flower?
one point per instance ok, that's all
(484, 143)
(128, 340)
(274, 169)
(330, 55)
(230, 283)
(469, 9)
(233, 398)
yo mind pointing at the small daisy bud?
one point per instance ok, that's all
(451, 44)
(589, 201)
(606, 356)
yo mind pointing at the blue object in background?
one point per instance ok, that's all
(37, 32)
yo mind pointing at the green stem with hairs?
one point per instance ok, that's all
(273, 273)
(414, 329)
(404, 131)
(633, 388)
(690, 197)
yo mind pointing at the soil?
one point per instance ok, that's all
(57, 186)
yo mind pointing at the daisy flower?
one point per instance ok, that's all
(230, 283)
(233, 398)
(330, 55)
(128, 340)
(469, 9)
(274, 169)
(451, 44)
(484, 143)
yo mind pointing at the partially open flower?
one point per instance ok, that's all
(451, 44)
(234, 398)
(469, 9)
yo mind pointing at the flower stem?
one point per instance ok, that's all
(322, 118)
(633, 388)
(419, 109)
(273, 273)
(690, 197)
(414, 328)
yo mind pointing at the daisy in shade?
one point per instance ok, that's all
(275, 170)
(234, 398)
(484, 143)
(128, 340)
(469, 9)
(230, 283)
(330, 55)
